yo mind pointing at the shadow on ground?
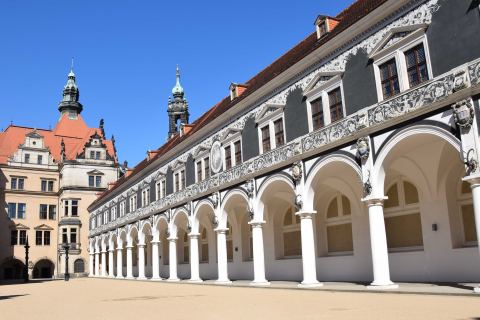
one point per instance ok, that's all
(12, 296)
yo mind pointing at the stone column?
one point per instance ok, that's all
(141, 261)
(308, 250)
(258, 254)
(129, 262)
(104, 263)
(97, 264)
(155, 261)
(222, 256)
(378, 241)
(173, 259)
(119, 263)
(111, 263)
(91, 264)
(194, 258)
(475, 185)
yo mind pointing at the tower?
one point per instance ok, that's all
(71, 94)
(177, 108)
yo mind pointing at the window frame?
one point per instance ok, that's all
(340, 219)
(229, 142)
(179, 173)
(269, 121)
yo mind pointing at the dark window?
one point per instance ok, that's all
(238, 152)
(92, 154)
(317, 114)
(21, 184)
(27, 158)
(91, 181)
(52, 212)
(46, 238)
(13, 237)
(177, 182)
(38, 238)
(78, 266)
(73, 235)
(416, 65)
(12, 210)
(39, 159)
(279, 138)
(23, 237)
(199, 171)
(65, 208)
(206, 162)
(13, 183)
(266, 138)
(43, 211)
(164, 188)
(44, 185)
(389, 79)
(98, 181)
(21, 210)
(335, 102)
(74, 208)
(50, 186)
(97, 155)
(182, 175)
(228, 158)
(64, 235)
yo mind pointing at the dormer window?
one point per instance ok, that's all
(96, 155)
(324, 25)
(236, 90)
(27, 158)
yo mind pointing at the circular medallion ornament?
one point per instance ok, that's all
(216, 157)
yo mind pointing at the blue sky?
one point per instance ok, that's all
(126, 52)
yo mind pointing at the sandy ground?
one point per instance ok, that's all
(134, 300)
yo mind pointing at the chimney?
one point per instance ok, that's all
(236, 90)
(185, 129)
(325, 24)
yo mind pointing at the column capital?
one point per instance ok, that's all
(194, 235)
(155, 242)
(374, 201)
(104, 251)
(172, 239)
(306, 214)
(473, 179)
(221, 230)
(91, 253)
(119, 248)
(111, 250)
(256, 224)
(129, 247)
(141, 245)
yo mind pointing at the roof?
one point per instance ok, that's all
(74, 132)
(348, 17)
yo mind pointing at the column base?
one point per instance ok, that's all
(476, 290)
(156, 279)
(259, 283)
(173, 280)
(129, 278)
(373, 286)
(120, 277)
(141, 278)
(223, 282)
(195, 280)
(307, 285)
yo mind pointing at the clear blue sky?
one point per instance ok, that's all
(125, 57)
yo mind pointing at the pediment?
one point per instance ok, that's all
(320, 80)
(177, 164)
(231, 132)
(34, 134)
(43, 227)
(397, 36)
(159, 175)
(20, 226)
(269, 109)
(200, 150)
(95, 172)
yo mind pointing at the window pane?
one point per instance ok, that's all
(13, 237)
(389, 78)
(21, 210)
(404, 231)
(266, 138)
(332, 211)
(50, 185)
(52, 212)
(12, 210)
(74, 208)
(91, 181)
(335, 102)
(411, 193)
(228, 158)
(392, 195)
(317, 114)
(13, 183)
(46, 238)
(199, 171)
(238, 152)
(279, 138)
(21, 183)
(64, 235)
(73, 235)
(39, 159)
(43, 211)
(98, 181)
(206, 163)
(38, 238)
(23, 237)
(339, 238)
(468, 220)
(416, 65)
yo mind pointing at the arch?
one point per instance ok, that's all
(267, 185)
(43, 268)
(145, 229)
(122, 238)
(112, 240)
(79, 266)
(395, 141)
(204, 205)
(132, 234)
(178, 215)
(11, 269)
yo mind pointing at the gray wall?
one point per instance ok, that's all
(359, 87)
(250, 139)
(296, 117)
(169, 181)
(454, 35)
(190, 171)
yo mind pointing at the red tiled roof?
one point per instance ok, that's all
(74, 133)
(347, 18)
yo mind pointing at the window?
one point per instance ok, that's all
(39, 159)
(92, 154)
(336, 105)
(113, 213)
(292, 244)
(12, 210)
(238, 152)
(18, 237)
(14, 237)
(27, 158)
(38, 238)
(467, 216)
(46, 238)
(43, 211)
(199, 171)
(133, 203)
(266, 139)
(16, 210)
(70, 208)
(202, 169)
(79, 266)
(122, 208)
(279, 136)
(95, 181)
(179, 180)
(17, 183)
(64, 235)
(47, 185)
(401, 64)
(97, 155)
(317, 114)
(73, 235)
(22, 237)
(338, 224)
(145, 197)
(206, 165)
(160, 189)
(52, 212)
(403, 222)
(228, 157)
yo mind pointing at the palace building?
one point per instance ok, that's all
(48, 178)
(353, 157)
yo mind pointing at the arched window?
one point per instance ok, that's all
(467, 216)
(339, 225)
(403, 223)
(186, 249)
(229, 242)
(204, 245)
(292, 243)
(79, 266)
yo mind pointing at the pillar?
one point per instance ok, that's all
(173, 259)
(258, 254)
(378, 241)
(119, 263)
(111, 263)
(475, 185)
(97, 264)
(222, 256)
(194, 258)
(155, 261)
(129, 262)
(91, 264)
(308, 250)
(141, 261)
(104, 263)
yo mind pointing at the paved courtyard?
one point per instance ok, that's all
(114, 299)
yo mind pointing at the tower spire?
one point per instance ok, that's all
(71, 95)
(177, 108)
(177, 90)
